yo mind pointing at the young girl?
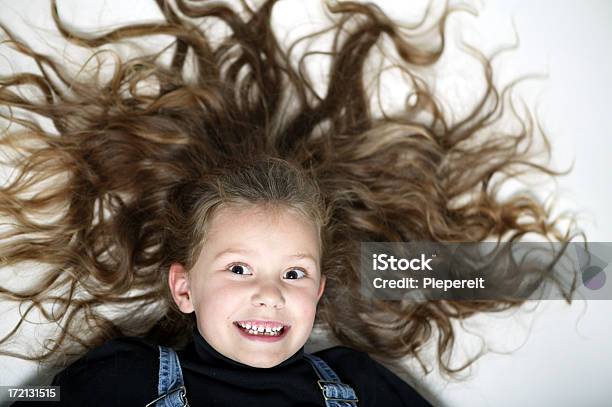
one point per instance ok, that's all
(252, 275)
(199, 213)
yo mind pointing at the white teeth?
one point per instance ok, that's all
(257, 332)
(260, 329)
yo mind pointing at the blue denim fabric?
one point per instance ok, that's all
(335, 393)
(172, 392)
(171, 388)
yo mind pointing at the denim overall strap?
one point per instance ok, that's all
(171, 389)
(335, 393)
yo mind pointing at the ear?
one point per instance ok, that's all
(178, 280)
(321, 288)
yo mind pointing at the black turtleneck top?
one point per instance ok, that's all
(124, 372)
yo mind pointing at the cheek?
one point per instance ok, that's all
(215, 300)
(306, 302)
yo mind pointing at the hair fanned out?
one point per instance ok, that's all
(94, 198)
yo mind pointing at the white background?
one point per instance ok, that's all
(557, 355)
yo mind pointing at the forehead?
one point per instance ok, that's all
(255, 226)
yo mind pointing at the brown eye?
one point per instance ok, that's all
(295, 274)
(240, 269)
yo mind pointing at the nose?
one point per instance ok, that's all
(268, 294)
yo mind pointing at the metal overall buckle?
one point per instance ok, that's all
(182, 395)
(322, 384)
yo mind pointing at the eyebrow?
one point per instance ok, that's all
(245, 251)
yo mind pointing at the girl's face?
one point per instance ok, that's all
(259, 270)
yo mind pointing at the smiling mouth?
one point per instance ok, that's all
(262, 328)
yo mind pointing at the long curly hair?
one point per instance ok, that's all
(105, 198)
